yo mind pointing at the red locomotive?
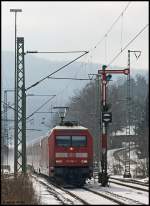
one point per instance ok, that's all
(65, 154)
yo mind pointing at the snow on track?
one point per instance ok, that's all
(92, 198)
(118, 194)
(60, 196)
(44, 196)
(131, 193)
(122, 193)
(130, 184)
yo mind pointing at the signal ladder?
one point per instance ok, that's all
(95, 170)
(127, 155)
(127, 146)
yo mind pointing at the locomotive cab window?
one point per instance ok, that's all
(79, 141)
(75, 141)
(63, 141)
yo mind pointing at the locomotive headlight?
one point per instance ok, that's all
(71, 148)
(59, 161)
(84, 161)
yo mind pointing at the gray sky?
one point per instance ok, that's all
(61, 26)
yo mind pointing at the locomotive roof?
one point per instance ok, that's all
(37, 140)
(69, 127)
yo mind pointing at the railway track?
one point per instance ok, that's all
(115, 197)
(130, 184)
(130, 181)
(75, 195)
(63, 195)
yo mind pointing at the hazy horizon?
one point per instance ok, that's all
(63, 26)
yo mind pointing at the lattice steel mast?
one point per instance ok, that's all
(127, 173)
(20, 111)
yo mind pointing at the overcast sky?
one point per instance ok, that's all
(62, 26)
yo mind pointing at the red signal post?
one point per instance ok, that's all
(105, 78)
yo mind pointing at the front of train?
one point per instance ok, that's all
(73, 152)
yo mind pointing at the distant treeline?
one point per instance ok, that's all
(85, 107)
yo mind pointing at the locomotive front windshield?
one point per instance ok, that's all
(63, 141)
(68, 141)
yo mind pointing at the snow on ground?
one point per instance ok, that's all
(145, 180)
(124, 191)
(11, 160)
(123, 131)
(136, 164)
(143, 197)
(91, 198)
(5, 171)
(111, 161)
(121, 190)
(130, 193)
(44, 197)
(46, 194)
(134, 184)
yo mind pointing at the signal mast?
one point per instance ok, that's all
(106, 118)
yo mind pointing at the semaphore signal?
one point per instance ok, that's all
(106, 118)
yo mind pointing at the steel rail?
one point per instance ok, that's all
(59, 187)
(130, 181)
(115, 197)
(131, 186)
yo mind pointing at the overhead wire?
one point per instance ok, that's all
(118, 54)
(80, 79)
(75, 75)
(85, 52)
(106, 49)
(121, 39)
(33, 85)
(54, 52)
(105, 36)
(64, 89)
(40, 107)
(57, 93)
(111, 27)
(7, 105)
